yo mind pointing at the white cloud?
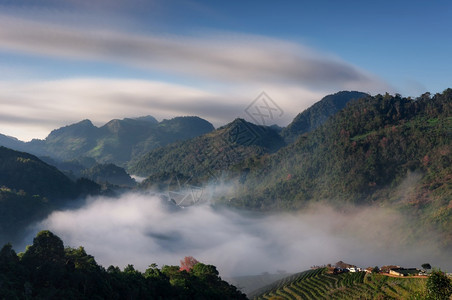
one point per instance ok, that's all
(226, 72)
(227, 58)
(142, 229)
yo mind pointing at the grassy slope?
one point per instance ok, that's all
(317, 284)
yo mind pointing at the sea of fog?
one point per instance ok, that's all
(141, 229)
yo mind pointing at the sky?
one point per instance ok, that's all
(62, 61)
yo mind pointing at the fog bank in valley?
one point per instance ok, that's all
(141, 229)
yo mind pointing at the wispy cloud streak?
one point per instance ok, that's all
(227, 58)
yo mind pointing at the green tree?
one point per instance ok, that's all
(45, 261)
(46, 247)
(439, 286)
(205, 272)
(11, 274)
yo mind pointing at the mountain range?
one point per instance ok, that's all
(349, 148)
(118, 141)
(235, 142)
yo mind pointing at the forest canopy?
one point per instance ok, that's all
(48, 270)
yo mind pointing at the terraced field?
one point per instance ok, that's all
(317, 284)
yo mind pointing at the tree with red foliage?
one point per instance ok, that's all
(188, 263)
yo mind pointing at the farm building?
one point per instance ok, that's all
(386, 269)
(404, 272)
(354, 270)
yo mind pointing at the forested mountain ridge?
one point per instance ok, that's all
(214, 158)
(210, 153)
(26, 172)
(381, 150)
(118, 141)
(30, 189)
(123, 142)
(368, 145)
(318, 113)
(108, 174)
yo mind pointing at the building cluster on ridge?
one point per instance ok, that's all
(341, 267)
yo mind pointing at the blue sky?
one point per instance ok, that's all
(67, 60)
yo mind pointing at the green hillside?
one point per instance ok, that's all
(17, 211)
(361, 156)
(21, 171)
(369, 145)
(108, 173)
(71, 168)
(226, 147)
(207, 155)
(30, 189)
(318, 284)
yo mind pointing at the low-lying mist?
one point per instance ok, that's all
(141, 229)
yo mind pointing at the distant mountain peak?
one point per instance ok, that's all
(318, 113)
(79, 128)
(188, 118)
(147, 118)
(235, 122)
(8, 137)
(83, 123)
(86, 122)
(188, 122)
